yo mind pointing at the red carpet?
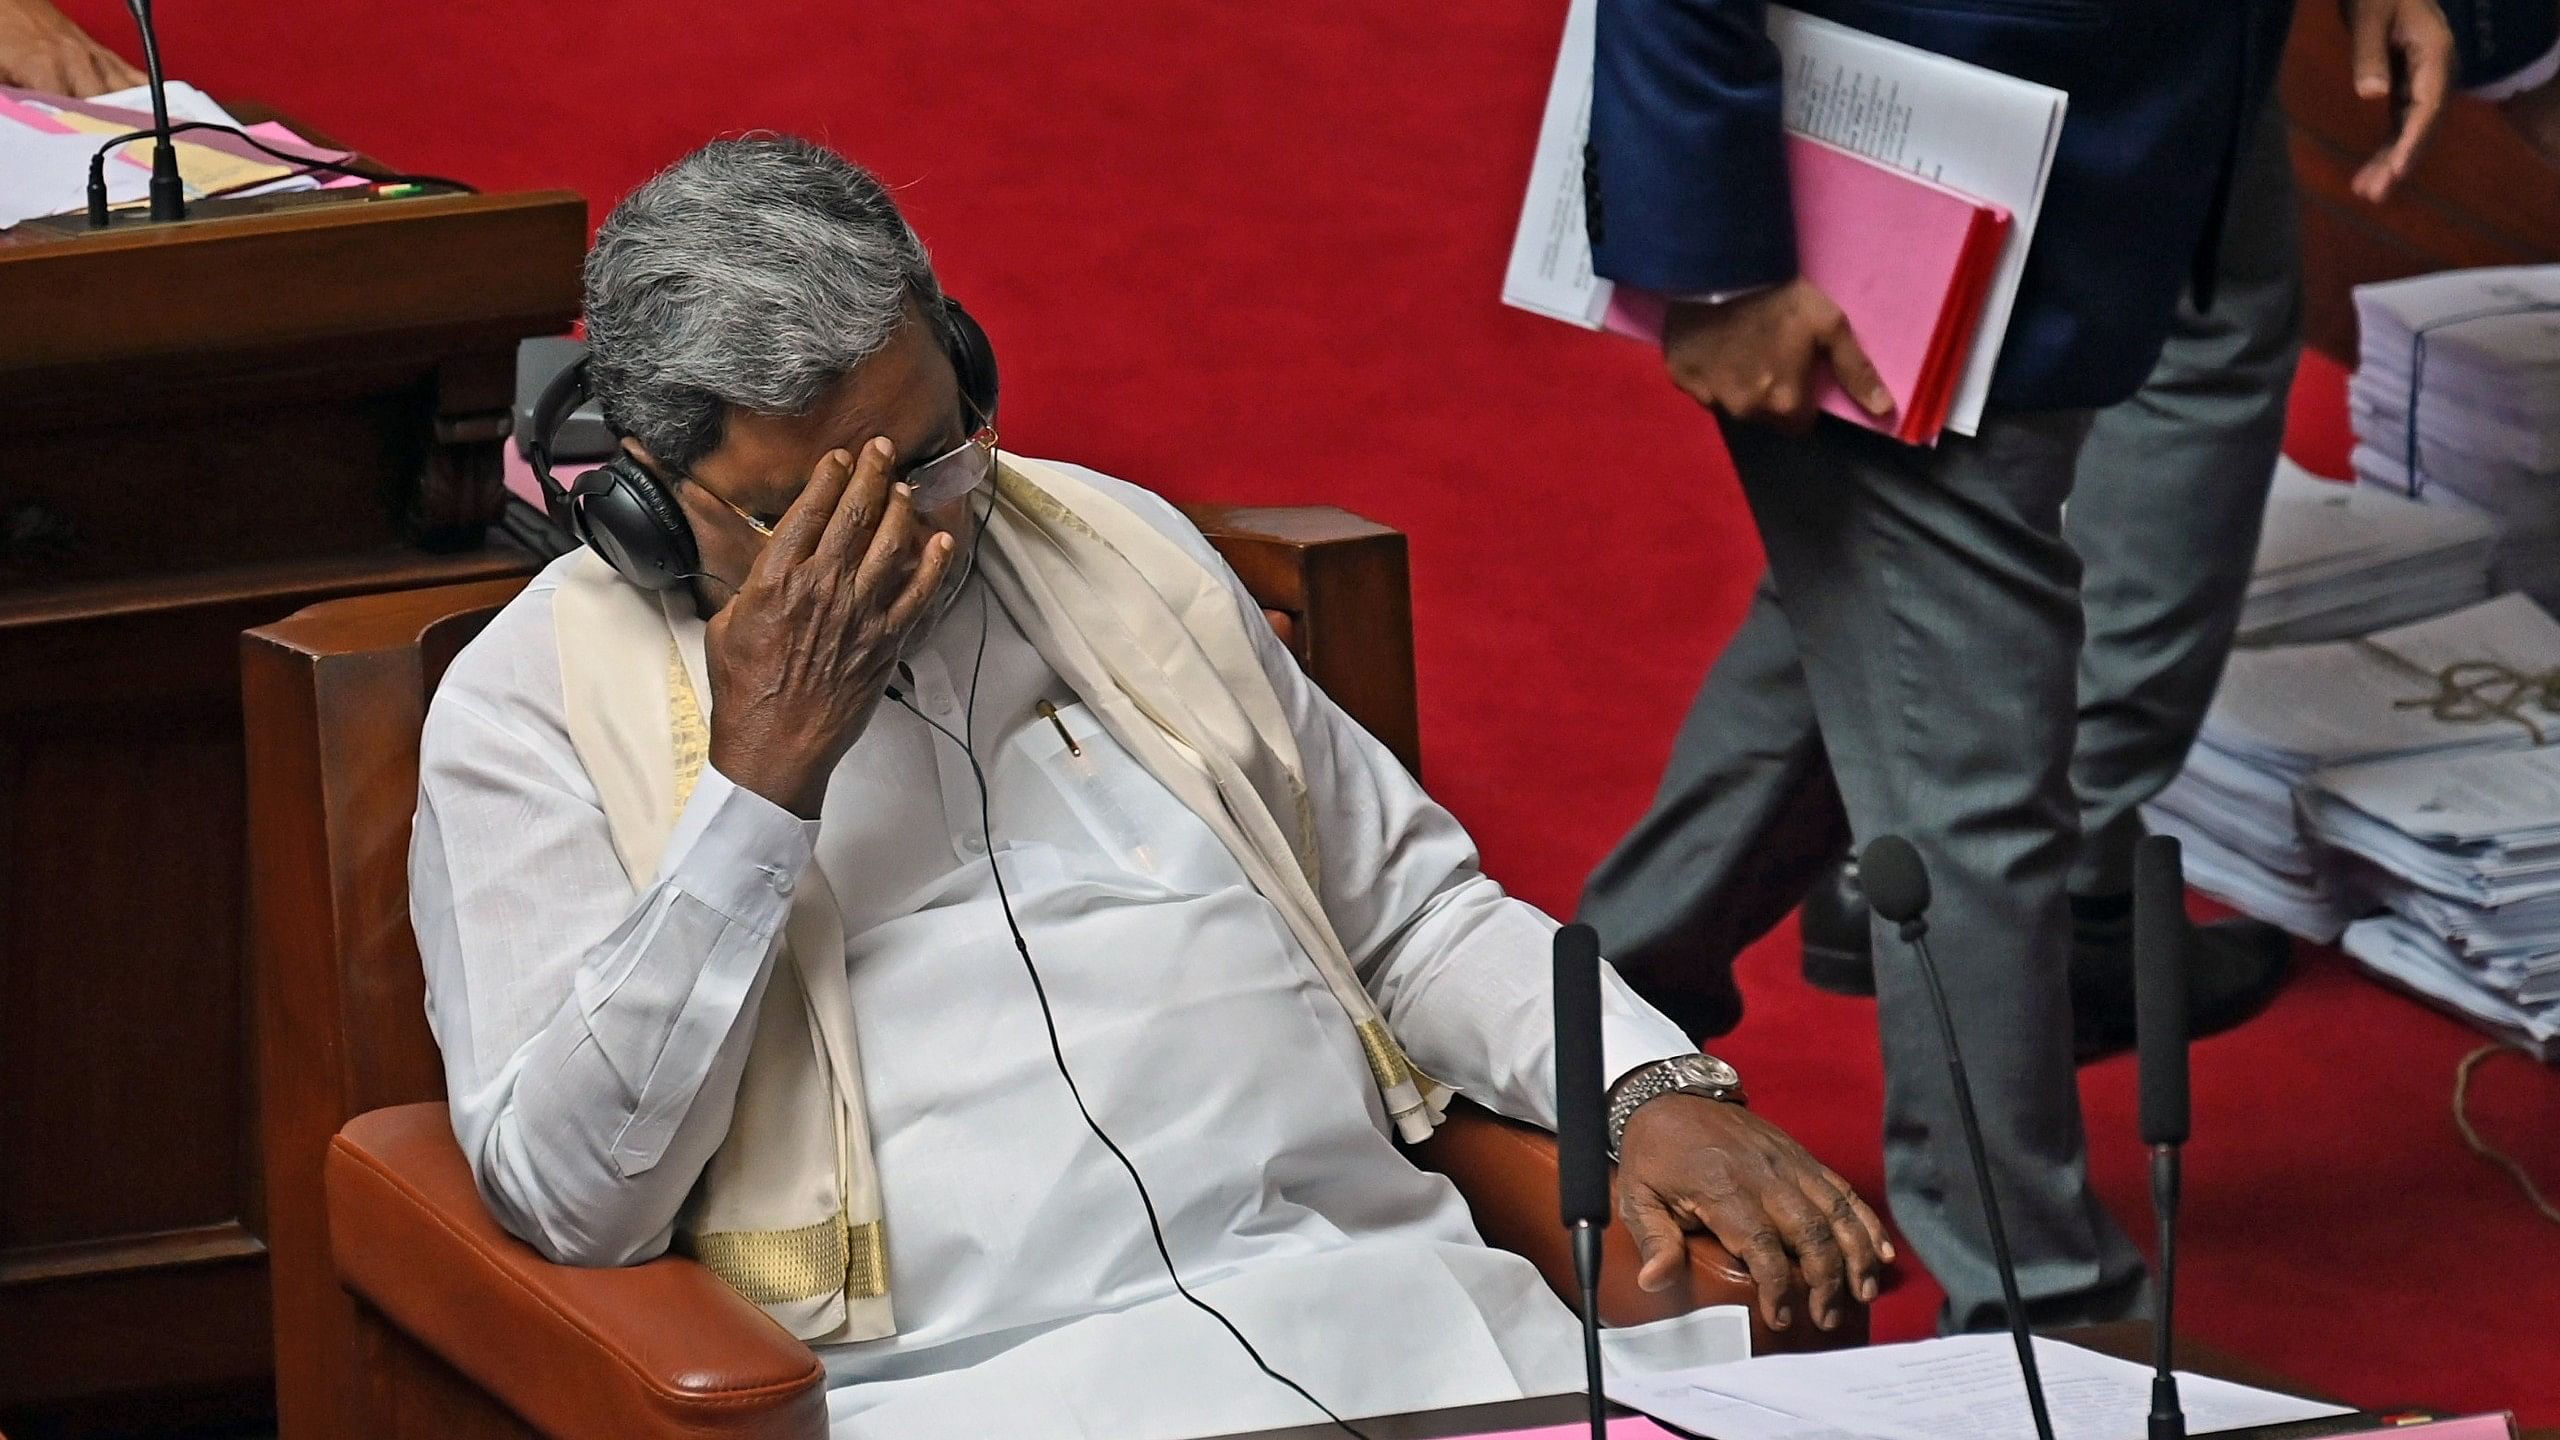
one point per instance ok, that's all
(1252, 252)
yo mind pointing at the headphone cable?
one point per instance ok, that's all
(1048, 1017)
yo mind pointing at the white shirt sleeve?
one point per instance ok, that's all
(2531, 77)
(592, 1040)
(1463, 972)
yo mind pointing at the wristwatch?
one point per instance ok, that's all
(1703, 1075)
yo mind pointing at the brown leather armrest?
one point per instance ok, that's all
(1507, 1171)
(662, 1349)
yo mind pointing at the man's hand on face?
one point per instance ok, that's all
(1755, 358)
(799, 657)
(1689, 1163)
(2402, 51)
(40, 49)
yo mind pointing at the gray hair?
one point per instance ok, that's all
(754, 272)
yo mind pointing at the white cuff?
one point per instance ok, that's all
(1632, 1033)
(738, 852)
(1723, 297)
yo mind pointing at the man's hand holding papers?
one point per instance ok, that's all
(1755, 357)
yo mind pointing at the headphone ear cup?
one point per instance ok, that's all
(564, 394)
(627, 517)
(973, 356)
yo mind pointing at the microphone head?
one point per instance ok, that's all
(1582, 1146)
(1896, 884)
(2161, 936)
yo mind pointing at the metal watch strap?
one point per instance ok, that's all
(1700, 1075)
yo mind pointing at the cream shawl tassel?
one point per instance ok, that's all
(788, 1210)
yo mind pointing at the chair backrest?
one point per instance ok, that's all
(334, 699)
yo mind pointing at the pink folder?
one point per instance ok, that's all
(1908, 260)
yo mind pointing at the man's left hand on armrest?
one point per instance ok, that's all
(1690, 1163)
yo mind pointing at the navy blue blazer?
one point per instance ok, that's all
(1686, 181)
(2496, 38)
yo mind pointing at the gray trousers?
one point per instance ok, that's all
(1940, 650)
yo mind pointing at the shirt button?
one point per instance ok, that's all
(973, 844)
(784, 882)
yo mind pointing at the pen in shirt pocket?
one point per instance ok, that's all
(1049, 713)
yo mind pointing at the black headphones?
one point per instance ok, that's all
(624, 513)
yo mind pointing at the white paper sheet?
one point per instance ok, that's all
(2306, 706)
(1989, 135)
(43, 174)
(1965, 1387)
(186, 102)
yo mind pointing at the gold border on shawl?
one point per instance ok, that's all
(684, 722)
(776, 1267)
(1386, 1057)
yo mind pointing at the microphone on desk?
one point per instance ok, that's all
(2161, 936)
(1897, 888)
(1582, 1145)
(168, 194)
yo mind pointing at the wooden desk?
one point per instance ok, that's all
(2130, 1340)
(203, 428)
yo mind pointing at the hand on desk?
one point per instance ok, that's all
(1690, 1163)
(1754, 358)
(40, 49)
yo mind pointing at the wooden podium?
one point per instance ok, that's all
(204, 427)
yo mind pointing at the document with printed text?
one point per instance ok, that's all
(1965, 1387)
(1988, 135)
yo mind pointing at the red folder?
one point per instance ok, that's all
(1908, 260)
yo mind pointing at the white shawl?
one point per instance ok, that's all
(1154, 643)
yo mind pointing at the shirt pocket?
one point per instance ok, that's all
(1130, 823)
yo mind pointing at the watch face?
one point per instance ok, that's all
(1717, 1073)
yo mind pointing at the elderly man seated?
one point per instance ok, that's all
(781, 856)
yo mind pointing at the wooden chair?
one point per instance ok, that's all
(401, 1307)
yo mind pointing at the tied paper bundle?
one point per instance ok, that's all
(2336, 561)
(2456, 402)
(2464, 851)
(2460, 682)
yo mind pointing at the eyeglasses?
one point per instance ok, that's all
(954, 473)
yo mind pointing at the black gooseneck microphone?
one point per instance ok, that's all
(1897, 888)
(2161, 936)
(168, 194)
(1582, 1146)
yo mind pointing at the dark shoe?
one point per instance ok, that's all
(2234, 970)
(1833, 922)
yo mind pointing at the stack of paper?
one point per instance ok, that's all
(2456, 398)
(1947, 130)
(47, 141)
(2284, 713)
(2465, 851)
(1963, 1385)
(2336, 561)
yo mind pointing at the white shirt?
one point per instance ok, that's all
(593, 1040)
